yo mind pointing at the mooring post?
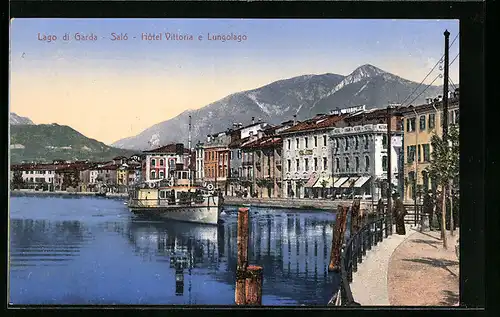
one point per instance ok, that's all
(338, 238)
(253, 287)
(242, 256)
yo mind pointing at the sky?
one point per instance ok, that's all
(111, 89)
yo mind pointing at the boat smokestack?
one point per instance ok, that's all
(190, 152)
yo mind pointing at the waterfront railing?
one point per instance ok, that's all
(353, 252)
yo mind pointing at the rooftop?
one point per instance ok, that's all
(316, 123)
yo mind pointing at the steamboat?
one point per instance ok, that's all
(175, 197)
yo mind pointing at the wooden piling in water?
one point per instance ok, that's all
(253, 289)
(242, 257)
(338, 238)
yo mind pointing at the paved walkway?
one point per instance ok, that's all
(422, 273)
(369, 285)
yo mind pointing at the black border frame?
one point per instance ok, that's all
(472, 82)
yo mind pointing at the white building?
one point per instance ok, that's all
(307, 157)
(360, 159)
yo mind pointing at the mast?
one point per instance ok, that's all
(190, 152)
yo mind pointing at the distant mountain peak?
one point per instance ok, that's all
(367, 70)
(360, 73)
(16, 119)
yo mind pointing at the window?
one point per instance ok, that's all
(427, 152)
(367, 163)
(324, 140)
(410, 125)
(422, 123)
(432, 121)
(306, 142)
(153, 174)
(289, 163)
(336, 141)
(384, 163)
(410, 153)
(457, 117)
(289, 144)
(162, 175)
(239, 154)
(161, 162)
(419, 154)
(325, 163)
(346, 143)
(297, 143)
(315, 141)
(297, 165)
(356, 160)
(153, 162)
(384, 142)
(347, 164)
(315, 163)
(356, 144)
(206, 156)
(366, 142)
(162, 194)
(337, 164)
(306, 164)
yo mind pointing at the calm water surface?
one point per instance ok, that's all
(94, 251)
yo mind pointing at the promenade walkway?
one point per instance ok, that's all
(369, 285)
(422, 273)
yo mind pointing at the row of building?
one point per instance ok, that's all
(340, 154)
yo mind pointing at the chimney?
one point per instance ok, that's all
(240, 125)
(253, 120)
(260, 134)
(440, 98)
(259, 120)
(294, 119)
(208, 138)
(235, 125)
(456, 93)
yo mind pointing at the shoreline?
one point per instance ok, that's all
(296, 203)
(19, 193)
(277, 203)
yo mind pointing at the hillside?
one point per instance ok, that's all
(47, 142)
(304, 96)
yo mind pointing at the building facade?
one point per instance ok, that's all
(420, 124)
(307, 156)
(162, 162)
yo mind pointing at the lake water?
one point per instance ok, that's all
(94, 251)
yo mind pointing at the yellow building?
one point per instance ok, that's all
(122, 176)
(420, 123)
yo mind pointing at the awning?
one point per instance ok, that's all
(351, 181)
(311, 181)
(340, 181)
(328, 179)
(361, 181)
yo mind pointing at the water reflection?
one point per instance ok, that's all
(94, 251)
(45, 243)
(293, 249)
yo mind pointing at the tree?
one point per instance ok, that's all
(67, 181)
(445, 169)
(17, 180)
(75, 181)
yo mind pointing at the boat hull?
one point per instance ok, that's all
(195, 214)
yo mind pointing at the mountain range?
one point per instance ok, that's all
(48, 142)
(16, 119)
(304, 96)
